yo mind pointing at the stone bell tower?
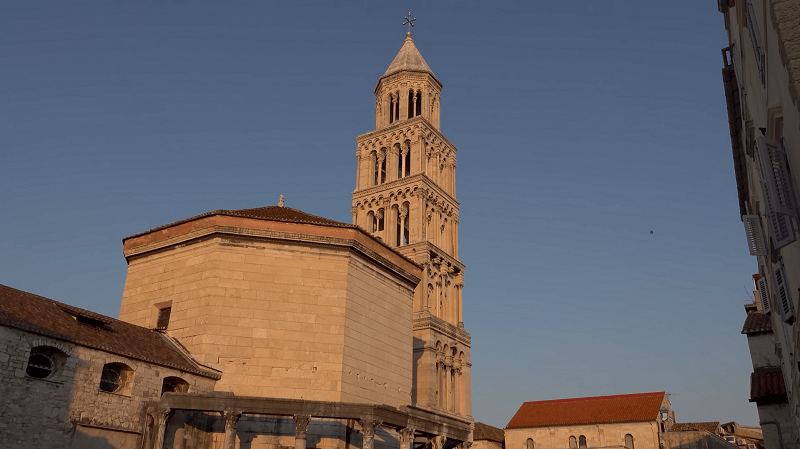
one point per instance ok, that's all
(406, 196)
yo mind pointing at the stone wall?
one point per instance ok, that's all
(50, 412)
(645, 435)
(694, 440)
(282, 318)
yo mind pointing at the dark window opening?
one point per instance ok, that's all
(397, 108)
(399, 229)
(163, 318)
(380, 220)
(391, 109)
(529, 444)
(115, 378)
(419, 103)
(383, 170)
(405, 230)
(573, 442)
(408, 162)
(411, 106)
(174, 385)
(399, 163)
(582, 441)
(40, 365)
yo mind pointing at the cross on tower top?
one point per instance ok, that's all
(409, 21)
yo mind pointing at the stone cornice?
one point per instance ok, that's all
(425, 320)
(421, 178)
(419, 121)
(265, 234)
(428, 246)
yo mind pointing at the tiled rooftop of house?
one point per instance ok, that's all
(591, 410)
(767, 386)
(39, 315)
(757, 323)
(711, 426)
(272, 213)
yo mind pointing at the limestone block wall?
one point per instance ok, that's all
(378, 341)
(281, 318)
(44, 413)
(693, 440)
(645, 435)
(486, 444)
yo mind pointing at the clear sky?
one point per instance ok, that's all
(581, 127)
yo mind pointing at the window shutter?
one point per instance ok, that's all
(763, 295)
(755, 40)
(778, 190)
(783, 294)
(755, 235)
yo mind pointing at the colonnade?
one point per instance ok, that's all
(408, 422)
(449, 365)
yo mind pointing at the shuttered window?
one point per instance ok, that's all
(755, 40)
(783, 293)
(778, 190)
(755, 235)
(763, 295)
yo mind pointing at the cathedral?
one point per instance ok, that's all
(270, 327)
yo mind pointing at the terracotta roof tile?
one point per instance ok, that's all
(711, 426)
(39, 315)
(272, 213)
(486, 432)
(756, 323)
(592, 410)
(767, 386)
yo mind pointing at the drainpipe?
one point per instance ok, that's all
(778, 426)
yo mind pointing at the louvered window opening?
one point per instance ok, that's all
(777, 190)
(755, 235)
(39, 366)
(111, 379)
(783, 293)
(763, 294)
(755, 40)
(163, 318)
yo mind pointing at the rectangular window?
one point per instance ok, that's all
(163, 318)
(755, 40)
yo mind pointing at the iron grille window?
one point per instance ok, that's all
(163, 318)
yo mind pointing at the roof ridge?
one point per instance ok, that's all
(632, 395)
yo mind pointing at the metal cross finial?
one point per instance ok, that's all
(409, 21)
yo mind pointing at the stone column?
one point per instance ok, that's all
(406, 438)
(448, 370)
(300, 430)
(367, 432)
(160, 417)
(231, 419)
(404, 102)
(457, 387)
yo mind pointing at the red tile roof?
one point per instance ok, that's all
(486, 432)
(39, 315)
(273, 213)
(767, 386)
(592, 410)
(756, 323)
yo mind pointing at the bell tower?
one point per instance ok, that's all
(406, 196)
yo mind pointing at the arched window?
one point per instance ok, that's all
(383, 168)
(573, 442)
(582, 441)
(399, 221)
(116, 378)
(174, 385)
(529, 444)
(408, 160)
(45, 362)
(629, 441)
(391, 108)
(411, 107)
(406, 223)
(379, 220)
(372, 225)
(375, 168)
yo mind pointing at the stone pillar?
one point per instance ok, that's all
(231, 419)
(159, 417)
(448, 372)
(300, 430)
(404, 102)
(367, 432)
(457, 387)
(407, 438)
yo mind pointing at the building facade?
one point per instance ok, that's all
(632, 421)
(761, 77)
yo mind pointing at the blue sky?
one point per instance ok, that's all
(581, 127)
